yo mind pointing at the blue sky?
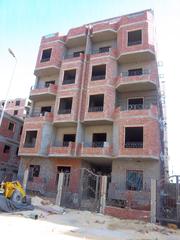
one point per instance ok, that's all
(24, 22)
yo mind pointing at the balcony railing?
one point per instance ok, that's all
(95, 109)
(51, 85)
(98, 144)
(134, 145)
(101, 51)
(29, 145)
(45, 60)
(73, 55)
(98, 77)
(135, 73)
(135, 106)
(62, 148)
(64, 111)
(69, 81)
(96, 148)
(134, 43)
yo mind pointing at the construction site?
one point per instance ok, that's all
(93, 150)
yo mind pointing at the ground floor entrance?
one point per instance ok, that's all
(81, 190)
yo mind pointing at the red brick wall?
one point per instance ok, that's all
(127, 213)
(3, 156)
(27, 127)
(4, 128)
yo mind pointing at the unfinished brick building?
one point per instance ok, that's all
(96, 104)
(10, 133)
(18, 107)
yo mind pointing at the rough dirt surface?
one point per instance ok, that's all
(57, 223)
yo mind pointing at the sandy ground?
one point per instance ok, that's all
(57, 223)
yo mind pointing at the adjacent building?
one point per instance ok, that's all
(10, 133)
(18, 107)
(96, 104)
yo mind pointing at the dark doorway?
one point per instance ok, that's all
(99, 139)
(68, 138)
(45, 109)
(134, 137)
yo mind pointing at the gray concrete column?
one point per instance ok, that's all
(25, 178)
(103, 194)
(80, 133)
(59, 189)
(115, 139)
(88, 42)
(153, 201)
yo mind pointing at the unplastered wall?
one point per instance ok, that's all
(61, 131)
(98, 129)
(150, 168)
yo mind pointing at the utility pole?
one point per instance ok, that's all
(9, 86)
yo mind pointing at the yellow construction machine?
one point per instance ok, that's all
(13, 191)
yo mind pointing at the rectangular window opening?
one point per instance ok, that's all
(96, 103)
(69, 76)
(135, 103)
(6, 149)
(65, 105)
(99, 139)
(34, 171)
(98, 72)
(46, 55)
(134, 137)
(68, 138)
(11, 126)
(134, 37)
(30, 139)
(15, 112)
(134, 180)
(45, 109)
(48, 83)
(17, 103)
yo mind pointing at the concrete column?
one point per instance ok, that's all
(103, 194)
(115, 139)
(59, 189)
(88, 42)
(25, 179)
(153, 201)
(80, 133)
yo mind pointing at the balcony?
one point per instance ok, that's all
(73, 57)
(104, 31)
(96, 149)
(42, 92)
(62, 149)
(49, 56)
(145, 111)
(106, 53)
(142, 82)
(76, 37)
(37, 116)
(67, 117)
